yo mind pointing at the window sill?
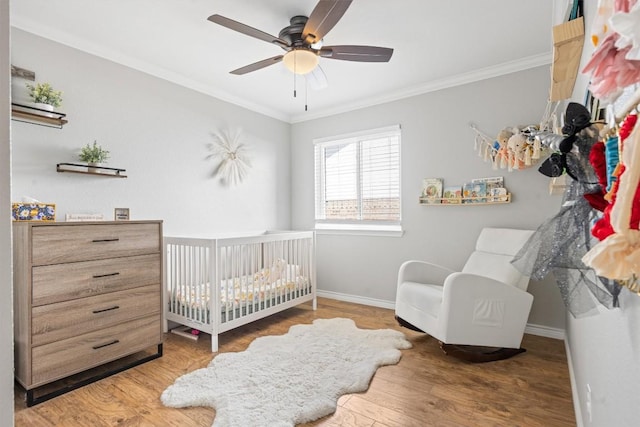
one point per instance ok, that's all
(360, 230)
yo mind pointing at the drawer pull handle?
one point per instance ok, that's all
(97, 276)
(115, 307)
(96, 347)
(105, 240)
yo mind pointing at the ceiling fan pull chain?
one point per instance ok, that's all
(306, 93)
(294, 74)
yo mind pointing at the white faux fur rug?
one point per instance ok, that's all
(288, 379)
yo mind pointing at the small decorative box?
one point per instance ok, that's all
(33, 211)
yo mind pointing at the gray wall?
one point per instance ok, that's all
(6, 299)
(158, 132)
(605, 348)
(436, 142)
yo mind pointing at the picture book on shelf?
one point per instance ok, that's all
(452, 195)
(498, 195)
(474, 192)
(492, 182)
(431, 190)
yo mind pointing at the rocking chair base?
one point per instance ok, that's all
(407, 325)
(477, 354)
(470, 353)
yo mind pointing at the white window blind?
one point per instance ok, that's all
(358, 178)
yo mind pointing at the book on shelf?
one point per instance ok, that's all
(494, 188)
(452, 195)
(474, 192)
(498, 195)
(491, 182)
(431, 190)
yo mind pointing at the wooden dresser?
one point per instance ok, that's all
(84, 294)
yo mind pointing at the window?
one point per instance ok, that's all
(358, 181)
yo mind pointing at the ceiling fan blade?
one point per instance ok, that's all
(357, 53)
(324, 16)
(317, 79)
(245, 29)
(257, 65)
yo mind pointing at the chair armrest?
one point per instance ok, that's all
(464, 284)
(423, 272)
(464, 294)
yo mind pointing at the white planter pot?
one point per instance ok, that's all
(93, 167)
(42, 106)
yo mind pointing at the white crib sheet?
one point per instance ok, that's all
(238, 292)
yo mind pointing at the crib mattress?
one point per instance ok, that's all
(236, 301)
(237, 292)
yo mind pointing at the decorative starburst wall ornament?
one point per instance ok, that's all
(230, 151)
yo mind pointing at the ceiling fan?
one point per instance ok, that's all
(302, 41)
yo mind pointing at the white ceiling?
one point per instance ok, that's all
(436, 44)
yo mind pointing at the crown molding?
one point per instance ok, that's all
(67, 39)
(435, 85)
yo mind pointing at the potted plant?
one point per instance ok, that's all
(93, 155)
(44, 96)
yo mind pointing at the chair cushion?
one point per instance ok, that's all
(419, 304)
(426, 298)
(503, 241)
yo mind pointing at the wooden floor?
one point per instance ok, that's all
(427, 388)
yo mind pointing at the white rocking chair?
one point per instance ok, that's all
(478, 314)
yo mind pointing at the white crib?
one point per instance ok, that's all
(256, 276)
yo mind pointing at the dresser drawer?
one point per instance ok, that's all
(71, 243)
(63, 320)
(62, 358)
(62, 282)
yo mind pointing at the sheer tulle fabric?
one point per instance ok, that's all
(558, 245)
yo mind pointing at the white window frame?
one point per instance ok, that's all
(369, 227)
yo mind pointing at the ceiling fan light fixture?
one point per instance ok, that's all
(300, 61)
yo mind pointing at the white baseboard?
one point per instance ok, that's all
(391, 305)
(540, 330)
(544, 331)
(577, 409)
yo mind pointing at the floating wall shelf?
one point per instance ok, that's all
(465, 201)
(91, 170)
(37, 116)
